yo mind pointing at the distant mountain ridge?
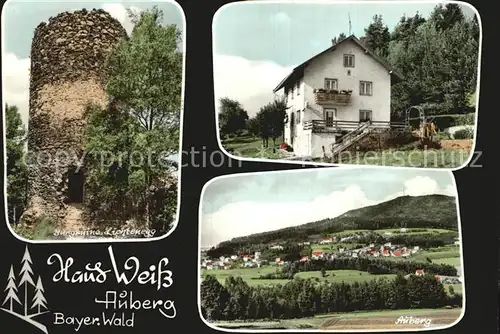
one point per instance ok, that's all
(428, 211)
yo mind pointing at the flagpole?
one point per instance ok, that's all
(349, 23)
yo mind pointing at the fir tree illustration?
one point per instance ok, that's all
(39, 299)
(26, 278)
(11, 290)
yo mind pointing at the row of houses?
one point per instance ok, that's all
(441, 278)
(386, 250)
(229, 262)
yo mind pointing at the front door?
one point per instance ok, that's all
(330, 116)
(292, 128)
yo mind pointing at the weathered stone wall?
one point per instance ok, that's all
(68, 71)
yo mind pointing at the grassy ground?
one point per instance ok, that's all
(250, 147)
(332, 247)
(448, 157)
(411, 158)
(41, 229)
(411, 231)
(348, 276)
(448, 256)
(355, 320)
(250, 275)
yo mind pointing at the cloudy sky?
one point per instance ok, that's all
(21, 17)
(257, 44)
(240, 205)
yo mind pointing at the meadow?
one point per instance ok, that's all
(250, 275)
(450, 156)
(353, 320)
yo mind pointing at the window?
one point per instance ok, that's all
(331, 84)
(365, 88)
(298, 116)
(330, 116)
(348, 60)
(365, 115)
(298, 88)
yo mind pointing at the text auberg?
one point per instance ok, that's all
(405, 320)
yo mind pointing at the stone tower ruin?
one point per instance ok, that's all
(68, 71)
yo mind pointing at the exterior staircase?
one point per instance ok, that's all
(352, 137)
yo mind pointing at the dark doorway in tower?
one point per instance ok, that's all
(76, 182)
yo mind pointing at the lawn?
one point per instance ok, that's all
(414, 231)
(348, 276)
(449, 157)
(250, 275)
(440, 257)
(354, 320)
(452, 261)
(332, 247)
(250, 147)
(443, 158)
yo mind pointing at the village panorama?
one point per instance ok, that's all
(364, 269)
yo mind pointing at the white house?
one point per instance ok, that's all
(346, 88)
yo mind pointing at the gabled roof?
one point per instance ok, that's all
(298, 71)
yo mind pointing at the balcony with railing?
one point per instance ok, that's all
(339, 127)
(332, 97)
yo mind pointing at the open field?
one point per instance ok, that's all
(414, 231)
(351, 245)
(249, 147)
(250, 275)
(453, 154)
(379, 320)
(348, 276)
(446, 256)
(332, 247)
(452, 261)
(431, 158)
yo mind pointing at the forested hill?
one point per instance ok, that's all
(430, 211)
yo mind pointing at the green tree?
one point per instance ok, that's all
(377, 36)
(253, 126)
(17, 173)
(406, 28)
(142, 121)
(447, 16)
(232, 117)
(271, 119)
(214, 298)
(438, 59)
(339, 38)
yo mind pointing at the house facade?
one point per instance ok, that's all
(335, 93)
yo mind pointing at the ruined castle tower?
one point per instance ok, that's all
(68, 71)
